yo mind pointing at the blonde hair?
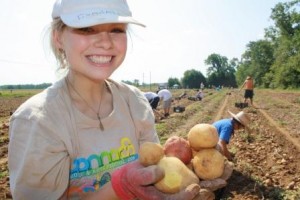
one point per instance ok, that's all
(57, 25)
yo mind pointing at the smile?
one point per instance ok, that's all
(100, 59)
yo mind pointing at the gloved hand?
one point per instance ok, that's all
(205, 194)
(214, 184)
(228, 169)
(136, 181)
(218, 183)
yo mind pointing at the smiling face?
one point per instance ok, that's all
(93, 52)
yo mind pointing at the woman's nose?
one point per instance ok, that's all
(103, 40)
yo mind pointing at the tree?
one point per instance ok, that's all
(192, 79)
(219, 71)
(274, 61)
(136, 82)
(285, 72)
(173, 81)
(128, 82)
(256, 62)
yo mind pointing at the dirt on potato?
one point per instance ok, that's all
(266, 158)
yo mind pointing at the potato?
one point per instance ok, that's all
(190, 166)
(177, 176)
(208, 164)
(178, 147)
(203, 136)
(194, 152)
(150, 153)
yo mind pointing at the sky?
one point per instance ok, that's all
(179, 36)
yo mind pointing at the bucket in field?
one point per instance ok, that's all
(179, 109)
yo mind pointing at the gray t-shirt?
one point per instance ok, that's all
(55, 148)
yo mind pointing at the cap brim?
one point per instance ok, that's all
(75, 21)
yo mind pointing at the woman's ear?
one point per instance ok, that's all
(57, 39)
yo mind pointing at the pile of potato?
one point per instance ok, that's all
(187, 161)
(208, 162)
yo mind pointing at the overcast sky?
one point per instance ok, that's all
(179, 36)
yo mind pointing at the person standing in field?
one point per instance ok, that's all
(166, 98)
(202, 86)
(226, 129)
(79, 138)
(248, 86)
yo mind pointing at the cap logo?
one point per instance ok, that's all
(97, 13)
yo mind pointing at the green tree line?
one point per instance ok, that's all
(273, 62)
(25, 86)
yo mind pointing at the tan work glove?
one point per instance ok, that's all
(205, 194)
(228, 169)
(134, 181)
(220, 182)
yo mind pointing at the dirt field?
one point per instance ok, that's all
(267, 160)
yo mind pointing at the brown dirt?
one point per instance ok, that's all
(7, 106)
(267, 160)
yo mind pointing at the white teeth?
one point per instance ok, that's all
(100, 59)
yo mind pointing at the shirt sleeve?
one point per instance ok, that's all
(38, 161)
(225, 133)
(141, 113)
(143, 118)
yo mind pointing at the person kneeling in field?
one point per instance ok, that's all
(226, 129)
(200, 95)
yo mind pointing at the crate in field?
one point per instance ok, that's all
(241, 105)
(179, 109)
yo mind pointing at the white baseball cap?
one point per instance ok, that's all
(86, 13)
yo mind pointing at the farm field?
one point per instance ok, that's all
(267, 160)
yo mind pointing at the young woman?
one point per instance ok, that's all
(80, 137)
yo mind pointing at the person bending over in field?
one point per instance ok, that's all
(226, 129)
(153, 99)
(166, 99)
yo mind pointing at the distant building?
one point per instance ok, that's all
(162, 86)
(175, 86)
